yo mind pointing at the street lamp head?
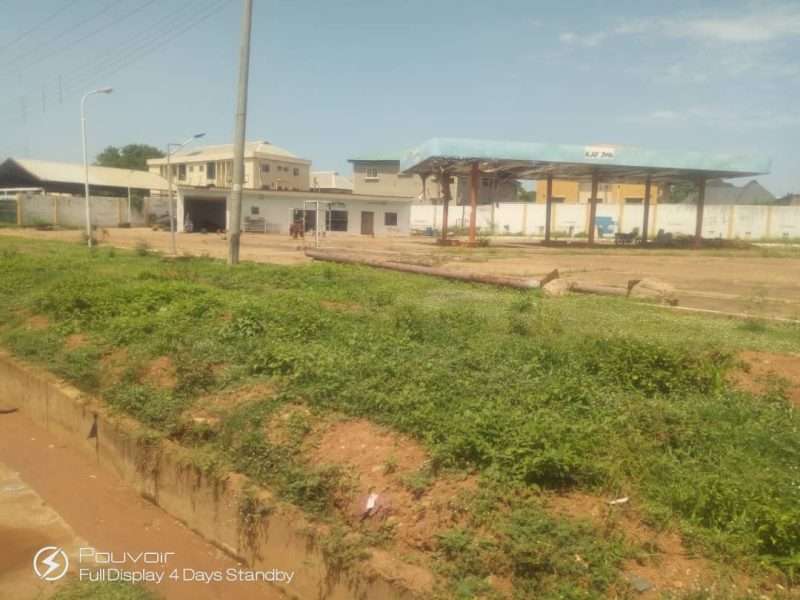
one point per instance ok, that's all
(105, 90)
(197, 136)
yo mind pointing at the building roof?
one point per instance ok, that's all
(525, 160)
(385, 156)
(722, 192)
(72, 174)
(330, 180)
(257, 149)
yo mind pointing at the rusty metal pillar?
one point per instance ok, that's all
(701, 202)
(646, 216)
(548, 213)
(444, 183)
(593, 207)
(474, 183)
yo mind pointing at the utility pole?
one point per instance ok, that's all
(239, 134)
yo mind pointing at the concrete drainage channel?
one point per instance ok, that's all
(278, 537)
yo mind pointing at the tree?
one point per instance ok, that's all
(678, 193)
(132, 156)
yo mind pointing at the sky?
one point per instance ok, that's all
(331, 80)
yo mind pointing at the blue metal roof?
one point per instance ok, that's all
(525, 160)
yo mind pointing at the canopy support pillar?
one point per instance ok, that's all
(474, 183)
(548, 208)
(646, 215)
(701, 202)
(424, 177)
(444, 183)
(592, 207)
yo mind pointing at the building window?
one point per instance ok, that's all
(372, 172)
(634, 200)
(265, 167)
(255, 210)
(182, 172)
(338, 220)
(485, 182)
(191, 168)
(296, 172)
(211, 170)
(390, 219)
(557, 200)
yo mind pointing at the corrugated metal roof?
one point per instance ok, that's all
(525, 160)
(46, 170)
(257, 149)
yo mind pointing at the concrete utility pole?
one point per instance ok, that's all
(86, 161)
(238, 140)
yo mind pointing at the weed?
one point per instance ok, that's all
(252, 512)
(142, 248)
(528, 393)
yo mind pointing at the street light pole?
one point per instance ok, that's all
(169, 186)
(86, 160)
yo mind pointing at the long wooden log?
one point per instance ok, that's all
(514, 282)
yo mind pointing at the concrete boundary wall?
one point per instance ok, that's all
(720, 221)
(163, 472)
(70, 211)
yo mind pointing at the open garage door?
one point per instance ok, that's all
(205, 214)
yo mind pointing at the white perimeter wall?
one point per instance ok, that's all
(725, 221)
(70, 211)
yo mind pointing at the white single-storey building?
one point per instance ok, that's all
(270, 211)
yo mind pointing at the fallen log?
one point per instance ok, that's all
(514, 282)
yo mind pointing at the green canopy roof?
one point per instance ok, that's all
(525, 160)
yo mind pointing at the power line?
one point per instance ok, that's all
(38, 25)
(164, 31)
(86, 36)
(115, 63)
(167, 23)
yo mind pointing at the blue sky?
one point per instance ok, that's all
(334, 79)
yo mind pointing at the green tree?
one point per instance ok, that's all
(679, 192)
(132, 156)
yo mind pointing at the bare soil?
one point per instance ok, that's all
(665, 562)
(75, 341)
(161, 373)
(380, 461)
(731, 280)
(761, 370)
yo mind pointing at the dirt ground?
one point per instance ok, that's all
(745, 281)
(52, 494)
(760, 370)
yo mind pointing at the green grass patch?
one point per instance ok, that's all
(77, 590)
(533, 394)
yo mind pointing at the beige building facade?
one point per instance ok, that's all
(382, 177)
(579, 192)
(266, 167)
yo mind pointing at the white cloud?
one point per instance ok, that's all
(762, 23)
(704, 115)
(586, 39)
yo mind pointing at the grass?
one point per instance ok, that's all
(533, 395)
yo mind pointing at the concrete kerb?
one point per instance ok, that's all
(161, 471)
